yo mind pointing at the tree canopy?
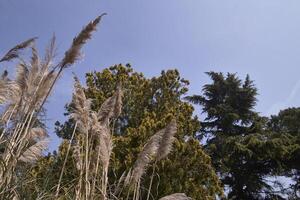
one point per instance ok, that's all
(287, 122)
(148, 104)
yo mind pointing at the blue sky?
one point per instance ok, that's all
(261, 38)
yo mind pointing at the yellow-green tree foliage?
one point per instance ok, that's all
(148, 105)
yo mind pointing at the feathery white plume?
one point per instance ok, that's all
(167, 140)
(111, 108)
(34, 152)
(15, 51)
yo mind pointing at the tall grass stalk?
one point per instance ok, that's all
(65, 161)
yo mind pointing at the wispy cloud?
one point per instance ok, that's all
(275, 108)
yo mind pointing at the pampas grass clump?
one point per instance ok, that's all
(22, 100)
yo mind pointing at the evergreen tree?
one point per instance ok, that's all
(243, 150)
